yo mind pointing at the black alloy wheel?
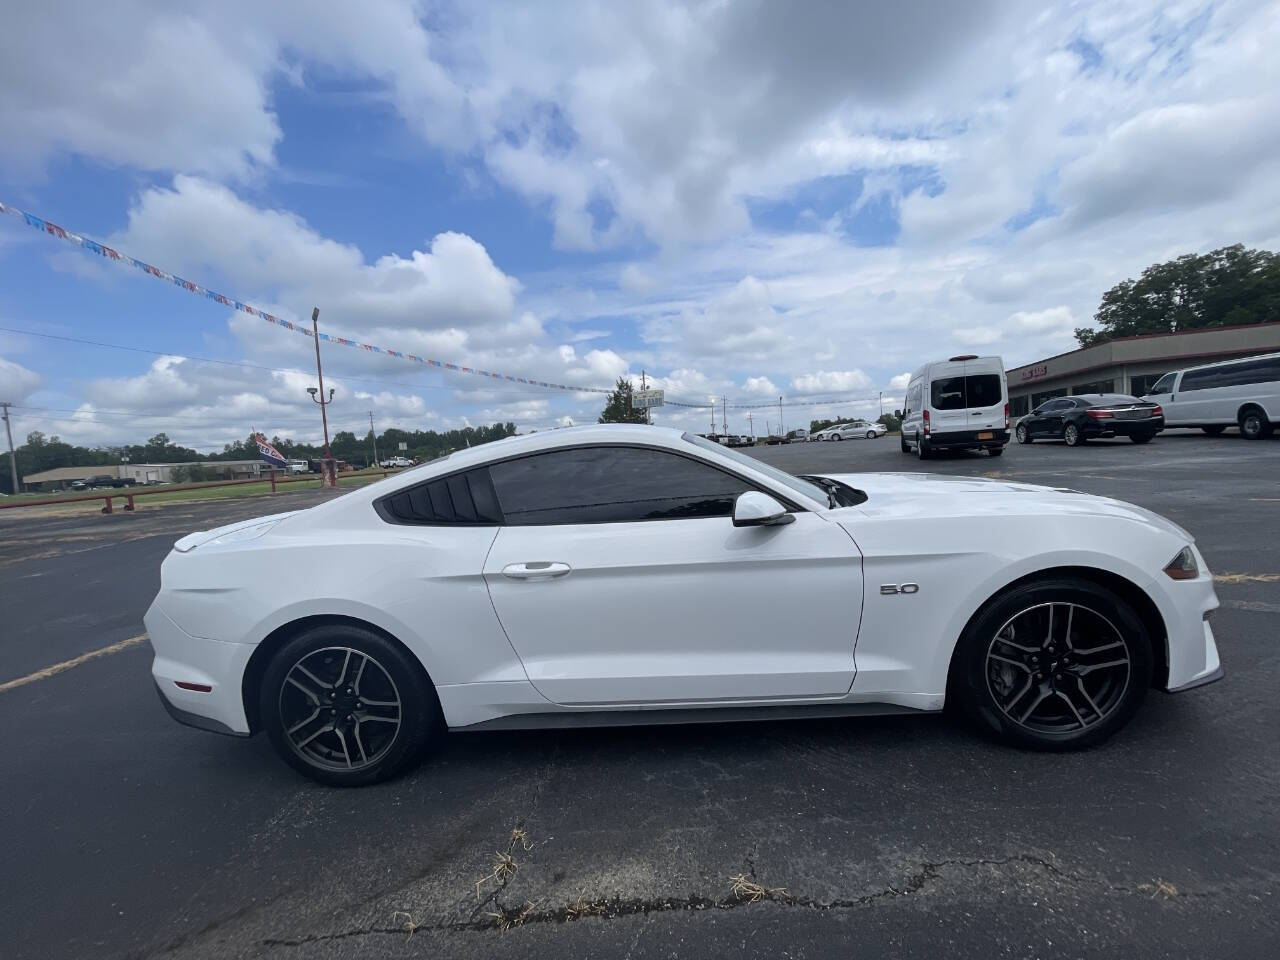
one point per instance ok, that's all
(1054, 665)
(347, 706)
(1072, 435)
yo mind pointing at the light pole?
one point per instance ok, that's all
(328, 472)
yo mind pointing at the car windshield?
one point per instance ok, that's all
(802, 487)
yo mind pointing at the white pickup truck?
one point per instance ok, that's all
(396, 463)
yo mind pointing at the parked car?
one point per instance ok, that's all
(1243, 393)
(1088, 416)
(396, 463)
(857, 430)
(562, 578)
(957, 404)
(102, 480)
(819, 435)
(799, 435)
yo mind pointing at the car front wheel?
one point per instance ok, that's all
(1022, 434)
(1054, 665)
(902, 443)
(347, 706)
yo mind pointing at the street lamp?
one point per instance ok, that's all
(328, 471)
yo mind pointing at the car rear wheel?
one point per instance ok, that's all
(836, 436)
(995, 451)
(1214, 431)
(1071, 434)
(1141, 437)
(1054, 665)
(923, 450)
(1254, 424)
(871, 434)
(346, 706)
(1022, 434)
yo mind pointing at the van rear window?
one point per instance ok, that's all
(958, 393)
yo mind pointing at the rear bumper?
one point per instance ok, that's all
(1122, 428)
(216, 664)
(967, 439)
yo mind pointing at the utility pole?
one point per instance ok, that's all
(781, 432)
(751, 427)
(724, 415)
(713, 419)
(374, 435)
(328, 469)
(882, 403)
(13, 457)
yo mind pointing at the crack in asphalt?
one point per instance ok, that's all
(609, 908)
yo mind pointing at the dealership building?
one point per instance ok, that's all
(1132, 364)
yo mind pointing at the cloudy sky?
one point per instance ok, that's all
(742, 198)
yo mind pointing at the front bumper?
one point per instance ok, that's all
(967, 439)
(217, 664)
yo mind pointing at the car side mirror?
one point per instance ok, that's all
(756, 509)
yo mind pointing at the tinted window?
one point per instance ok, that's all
(1163, 385)
(958, 393)
(464, 498)
(1252, 371)
(611, 485)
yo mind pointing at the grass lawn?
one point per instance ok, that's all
(238, 491)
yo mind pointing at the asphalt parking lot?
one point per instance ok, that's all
(126, 835)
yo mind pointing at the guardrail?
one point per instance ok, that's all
(119, 494)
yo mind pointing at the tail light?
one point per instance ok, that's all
(1006, 416)
(925, 417)
(1101, 414)
(1157, 411)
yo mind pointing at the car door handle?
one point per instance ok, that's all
(535, 570)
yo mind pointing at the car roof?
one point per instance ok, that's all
(1227, 363)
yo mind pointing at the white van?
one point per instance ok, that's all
(1243, 393)
(957, 404)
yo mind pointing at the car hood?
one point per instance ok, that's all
(923, 495)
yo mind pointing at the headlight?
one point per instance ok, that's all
(1183, 566)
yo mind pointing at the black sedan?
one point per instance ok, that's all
(1090, 415)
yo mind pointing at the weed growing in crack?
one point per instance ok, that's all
(504, 868)
(410, 923)
(745, 888)
(1159, 889)
(507, 919)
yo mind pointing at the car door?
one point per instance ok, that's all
(1049, 421)
(945, 397)
(620, 578)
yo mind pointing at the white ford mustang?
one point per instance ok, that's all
(629, 574)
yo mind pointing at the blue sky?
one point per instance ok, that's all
(740, 202)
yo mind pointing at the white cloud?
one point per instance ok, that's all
(831, 381)
(761, 386)
(899, 381)
(17, 382)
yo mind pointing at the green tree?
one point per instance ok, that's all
(618, 408)
(1225, 287)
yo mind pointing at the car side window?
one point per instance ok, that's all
(460, 499)
(611, 485)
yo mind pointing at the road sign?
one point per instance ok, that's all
(404, 445)
(643, 399)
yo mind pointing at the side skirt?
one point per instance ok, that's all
(643, 718)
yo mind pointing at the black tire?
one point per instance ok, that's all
(995, 451)
(1023, 434)
(389, 672)
(1072, 436)
(1141, 437)
(1254, 424)
(902, 443)
(923, 450)
(988, 688)
(1215, 430)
